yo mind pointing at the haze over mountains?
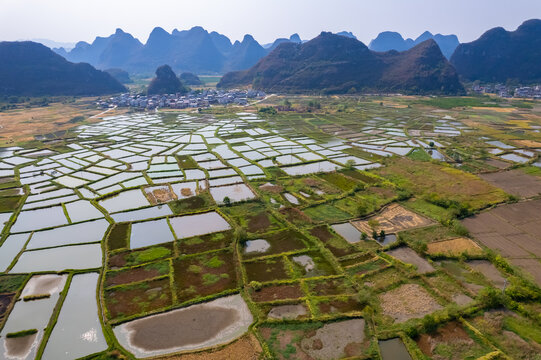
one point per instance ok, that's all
(195, 50)
(329, 63)
(199, 51)
(389, 40)
(332, 63)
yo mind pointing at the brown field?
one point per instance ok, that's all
(514, 231)
(454, 247)
(245, 348)
(392, 219)
(408, 301)
(515, 182)
(528, 143)
(23, 124)
(452, 336)
(162, 196)
(408, 256)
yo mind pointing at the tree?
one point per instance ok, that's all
(287, 104)
(227, 201)
(382, 234)
(374, 234)
(364, 237)
(431, 144)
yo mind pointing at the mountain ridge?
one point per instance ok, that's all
(32, 69)
(333, 63)
(500, 55)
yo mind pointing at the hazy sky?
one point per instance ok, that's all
(74, 20)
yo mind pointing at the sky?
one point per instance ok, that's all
(266, 20)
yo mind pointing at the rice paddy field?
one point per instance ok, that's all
(366, 228)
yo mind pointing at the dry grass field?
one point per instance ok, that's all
(23, 124)
(454, 247)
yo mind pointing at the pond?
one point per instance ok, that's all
(10, 248)
(82, 210)
(256, 246)
(198, 224)
(59, 259)
(515, 158)
(322, 166)
(88, 232)
(221, 320)
(389, 239)
(291, 198)
(150, 233)
(235, 193)
(39, 219)
(27, 315)
(127, 200)
(393, 349)
(77, 332)
(142, 214)
(348, 232)
(436, 155)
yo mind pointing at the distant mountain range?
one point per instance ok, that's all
(31, 69)
(195, 50)
(333, 63)
(500, 55)
(389, 40)
(329, 63)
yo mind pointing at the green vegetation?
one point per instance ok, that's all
(21, 333)
(11, 283)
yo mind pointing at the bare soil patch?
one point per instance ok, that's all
(19, 347)
(408, 301)
(454, 247)
(488, 270)
(162, 195)
(5, 301)
(392, 219)
(407, 255)
(451, 336)
(277, 292)
(515, 182)
(245, 348)
(514, 231)
(288, 312)
(334, 340)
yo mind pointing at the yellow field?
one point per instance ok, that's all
(496, 109)
(23, 124)
(454, 247)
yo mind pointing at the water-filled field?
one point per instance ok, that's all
(328, 235)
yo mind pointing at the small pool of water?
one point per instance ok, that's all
(127, 200)
(256, 246)
(59, 259)
(348, 232)
(235, 193)
(77, 332)
(321, 166)
(198, 224)
(150, 233)
(393, 349)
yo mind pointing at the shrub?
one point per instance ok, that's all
(490, 298)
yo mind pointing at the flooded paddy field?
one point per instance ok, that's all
(195, 327)
(315, 235)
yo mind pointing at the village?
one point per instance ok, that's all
(193, 99)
